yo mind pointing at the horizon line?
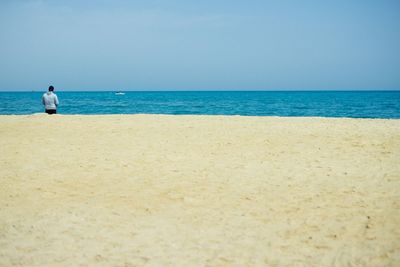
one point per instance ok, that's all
(212, 90)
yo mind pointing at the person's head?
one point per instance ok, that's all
(51, 88)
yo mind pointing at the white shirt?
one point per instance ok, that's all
(50, 100)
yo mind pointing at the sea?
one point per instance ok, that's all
(350, 104)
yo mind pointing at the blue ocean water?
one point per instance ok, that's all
(355, 104)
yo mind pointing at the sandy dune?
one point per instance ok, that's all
(152, 190)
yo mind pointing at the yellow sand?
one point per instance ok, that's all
(152, 190)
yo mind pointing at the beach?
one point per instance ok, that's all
(164, 190)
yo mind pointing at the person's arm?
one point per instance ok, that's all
(56, 100)
(43, 100)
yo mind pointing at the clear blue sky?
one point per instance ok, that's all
(199, 45)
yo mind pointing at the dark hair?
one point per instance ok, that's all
(51, 88)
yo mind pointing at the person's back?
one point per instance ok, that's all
(50, 101)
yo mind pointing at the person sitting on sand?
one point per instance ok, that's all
(50, 101)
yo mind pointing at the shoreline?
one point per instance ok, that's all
(191, 115)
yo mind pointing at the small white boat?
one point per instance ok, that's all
(119, 93)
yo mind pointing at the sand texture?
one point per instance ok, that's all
(153, 190)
